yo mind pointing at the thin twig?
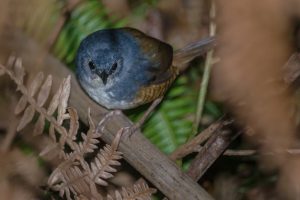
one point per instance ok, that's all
(251, 152)
(67, 9)
(193, 145)
(230, 152)
(206, 75)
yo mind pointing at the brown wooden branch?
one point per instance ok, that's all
(210, 152)
(138, 151)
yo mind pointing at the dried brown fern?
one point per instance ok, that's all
(74, 177)
(139, 191)
(75, 174)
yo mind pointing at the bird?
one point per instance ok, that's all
(124, 68)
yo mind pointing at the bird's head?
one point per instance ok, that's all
(99, 59)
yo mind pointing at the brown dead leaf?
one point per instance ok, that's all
(50, 150)
(21, 105)
(63, 100)
(55, 100)
(291, 69)
(27, 117)
(52, 132)
(44, 91)
(74, 123)
(35, 84)
(39, 126)
(10, 61)
(19, 70)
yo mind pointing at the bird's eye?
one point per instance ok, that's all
(92, 66)
(113, 68)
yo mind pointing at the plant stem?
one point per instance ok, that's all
(206, 75)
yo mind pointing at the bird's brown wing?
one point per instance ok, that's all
(158, 87)
(158, 52)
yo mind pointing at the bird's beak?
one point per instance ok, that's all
(103, 75)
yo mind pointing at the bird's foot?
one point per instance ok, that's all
(133, 128)
(130, 130)
(101, 124)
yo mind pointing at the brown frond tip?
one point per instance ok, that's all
(103, 165)
(90, 139)
(80, 178)
(139, 191)
(72, 182)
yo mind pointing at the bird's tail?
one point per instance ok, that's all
(186, 54)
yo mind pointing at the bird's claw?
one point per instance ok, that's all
(101, 124)
(130, 130)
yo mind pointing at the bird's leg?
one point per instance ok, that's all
(134, 127)
(142, 120)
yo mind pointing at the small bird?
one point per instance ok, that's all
(123, 68)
